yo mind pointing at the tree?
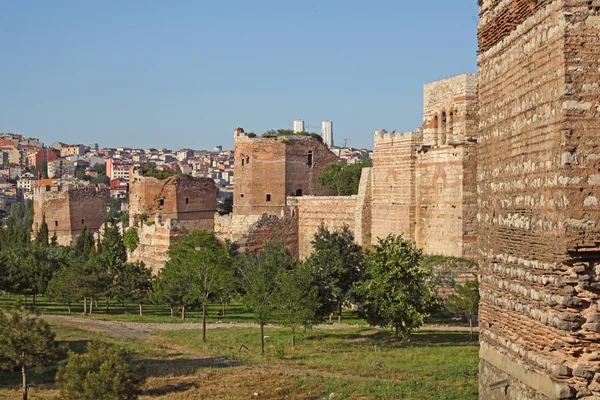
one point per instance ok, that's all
(208, 262)
(43, 235)
(131, 239)
(26, 342)
(134, 282)
(62, 287)
(398, 291)
(92, 277)
(171, 287)
(298, 300)
(465, 301)
(336, 264)
(342, 178)
(113, 256)
(261, 282)
(104, 372)
(226, 206)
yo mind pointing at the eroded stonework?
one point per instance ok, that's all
(68, 209)
(538, 163)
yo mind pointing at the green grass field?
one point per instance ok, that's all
(349, 362)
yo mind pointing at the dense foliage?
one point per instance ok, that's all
(290, 132)
(343, 178)
(104, 372)
(398, 291)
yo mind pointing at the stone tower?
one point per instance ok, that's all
(539, 190)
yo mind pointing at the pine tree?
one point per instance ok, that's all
(26, 342)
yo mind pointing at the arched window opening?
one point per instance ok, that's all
(443, 129)
(299, 193)
(451, 124)
(247, 160)
(242, 161)
(436, 125)
(310, 159)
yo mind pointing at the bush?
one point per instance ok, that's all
(105, 372)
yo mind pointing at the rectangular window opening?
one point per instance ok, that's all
(82, 221)
(161, 202)
(55, 223)
(268, 197)
(187, 200)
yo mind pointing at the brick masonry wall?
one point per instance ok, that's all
(68, 210)
(276, 167)
(450, 110)
(333, 212)
(393, 187)
(172, 206)
(538, 217)
(446, 201)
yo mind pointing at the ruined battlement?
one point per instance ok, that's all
(178, 197)
(269, 169)
(68, 208)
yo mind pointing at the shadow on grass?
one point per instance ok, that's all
(183, 367)
(417, 339)
(168, 389)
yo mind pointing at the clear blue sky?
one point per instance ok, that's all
(185, 73)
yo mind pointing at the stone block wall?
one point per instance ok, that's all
(68, 209)
(446, 201)
(539, 68)
(268, 170)
(393, 184)
(333, 212)
(450, 110)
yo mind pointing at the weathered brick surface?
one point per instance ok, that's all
(171, 206)
(68, 209)
(268, 170)
(446, 198)
(538, 196)
(393, 188)
(333, 212)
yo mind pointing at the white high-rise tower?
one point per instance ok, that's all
(327, 132)
(298, 126)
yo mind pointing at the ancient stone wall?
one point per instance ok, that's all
(446, 200)
(538, 198)
(267, 170)
(393, 184)
(333, 212)
(450, 110)
(163, 209)
(68, 209)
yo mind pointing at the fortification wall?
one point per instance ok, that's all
(538, 218)
(393, 185)
(155, 237)
(446, 201)
(333, 212)
(68, 209)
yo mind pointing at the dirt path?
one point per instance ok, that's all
(139, 330)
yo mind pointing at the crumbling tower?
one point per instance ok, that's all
(539, 199)
(68, 208)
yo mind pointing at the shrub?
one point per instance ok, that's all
(105, 372)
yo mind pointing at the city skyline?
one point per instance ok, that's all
(186, 75)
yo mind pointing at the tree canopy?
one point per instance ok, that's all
(342, 178)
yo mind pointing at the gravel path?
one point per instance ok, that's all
(139, 330)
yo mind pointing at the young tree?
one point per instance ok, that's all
(342, 178)
(465, 301)
(113, 256)
(25, 342)
(62, 287)
(207, 261)
(134, 283)
(398, 291)
(105, 372)
(298, 300)
(42, 235)
(169, 288)
(261, 284)
(336, 263)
